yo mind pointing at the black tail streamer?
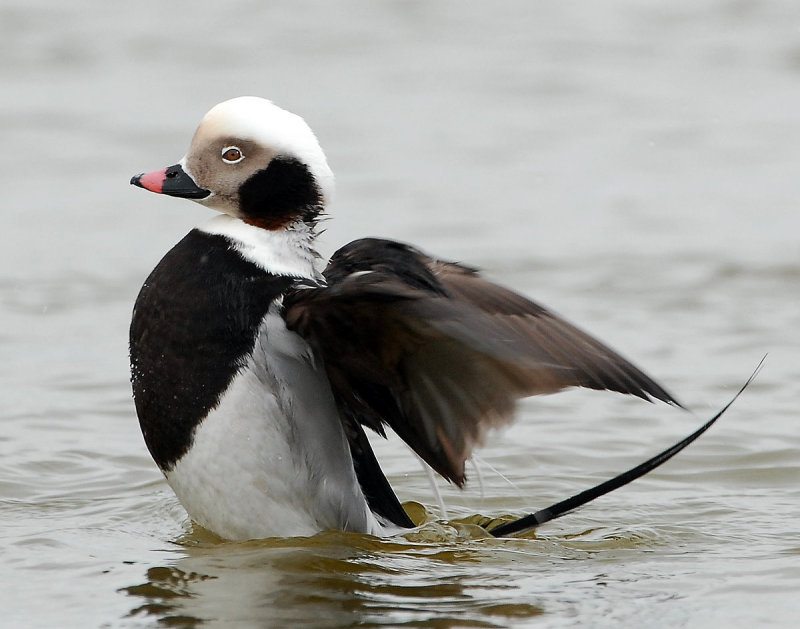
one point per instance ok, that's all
(578, 500)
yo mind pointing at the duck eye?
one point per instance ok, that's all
(232, 155)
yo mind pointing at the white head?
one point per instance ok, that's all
(252, 160)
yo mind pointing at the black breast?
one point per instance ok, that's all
(194, 323)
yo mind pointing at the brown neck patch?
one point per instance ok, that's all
(271, 223)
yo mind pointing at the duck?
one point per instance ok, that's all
(257, 367)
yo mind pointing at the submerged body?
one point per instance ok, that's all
(254, 371)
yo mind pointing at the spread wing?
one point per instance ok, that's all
(439, 353)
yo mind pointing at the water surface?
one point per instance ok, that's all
(634, 165)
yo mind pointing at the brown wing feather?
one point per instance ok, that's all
(439, 353)
(600, 367)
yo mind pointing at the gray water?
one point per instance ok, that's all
(633, 165)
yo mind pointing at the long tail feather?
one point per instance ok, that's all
(570, 504)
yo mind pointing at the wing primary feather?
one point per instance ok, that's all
(607, 369)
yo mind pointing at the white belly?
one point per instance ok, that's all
(272, 458)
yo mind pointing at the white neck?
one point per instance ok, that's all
(287, 251)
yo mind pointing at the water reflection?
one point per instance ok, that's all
(333, 580)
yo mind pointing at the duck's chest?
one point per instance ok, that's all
(271, 459)
(194, 324)
(231, 405)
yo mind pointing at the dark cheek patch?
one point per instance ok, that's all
(282, 193)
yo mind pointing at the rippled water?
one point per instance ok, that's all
(632, 164)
